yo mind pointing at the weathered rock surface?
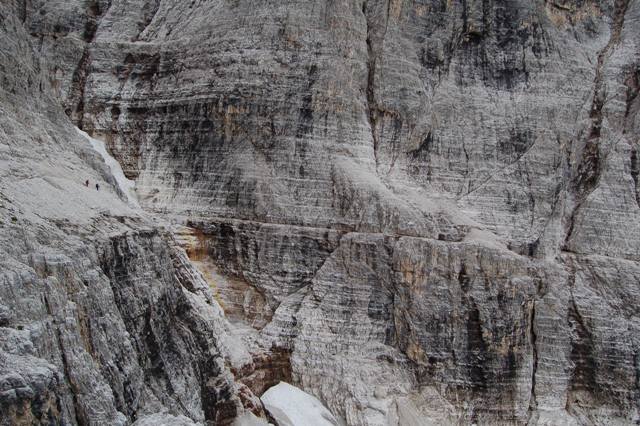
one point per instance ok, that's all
(103, 319)
(423, 209)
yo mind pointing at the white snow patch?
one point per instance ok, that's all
(290, 406)
(127, 186)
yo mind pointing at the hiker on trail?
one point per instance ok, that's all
(86, 183)
(97, 187)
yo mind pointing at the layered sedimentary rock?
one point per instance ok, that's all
(103, 319)
(415, 209)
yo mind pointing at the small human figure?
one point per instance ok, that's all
(86, 183)
(97, 187)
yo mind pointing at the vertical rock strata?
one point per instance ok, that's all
(412, 209)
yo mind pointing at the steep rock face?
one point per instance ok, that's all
(430, 207)
(123, 335)
(103, 320)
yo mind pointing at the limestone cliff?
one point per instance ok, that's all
(103, 320)
(419, 211)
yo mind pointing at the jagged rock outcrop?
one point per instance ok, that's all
(423, 209)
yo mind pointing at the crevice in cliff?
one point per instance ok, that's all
(476, 348)
(530, 194)
(533, 341)
(467, 182)
(635, 172)
(79, 413)
(75, 103)
(582, 378)
(75, 98)
(633, 97)
(23, 10)
(77, 408)
(372, 114)
(374, 53)
(589, 170)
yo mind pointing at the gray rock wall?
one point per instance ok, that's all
(103, 319)
(430, 207)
